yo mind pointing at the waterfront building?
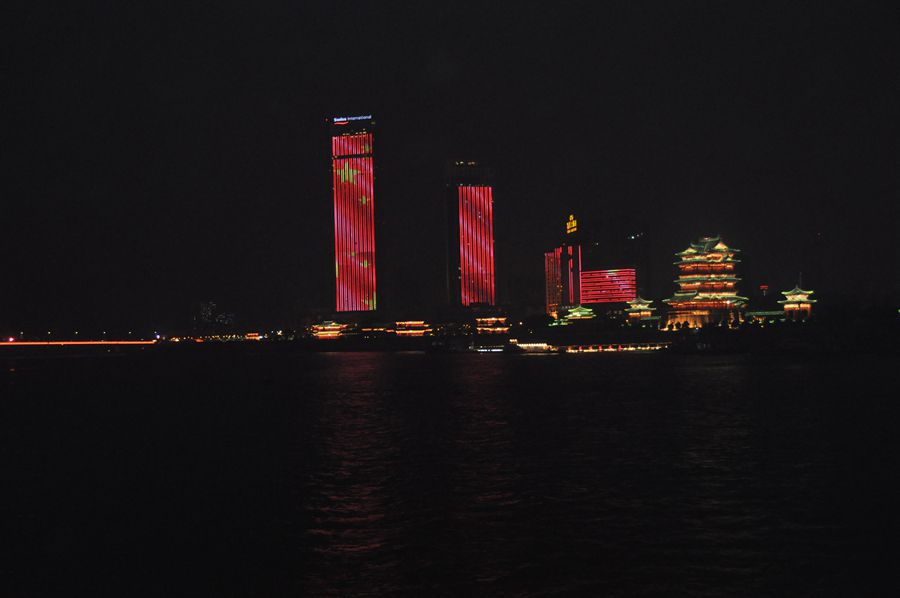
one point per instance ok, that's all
(552, 282)
(562, 278)
(353, 182)
(470, 234)
(328, 330)
(492, 325)
(571, 277)
(412, 328)
(639, 310)
(707, 286)
(608, 286)
(562, 271)
(579, 312)
(797, 304)
(575, 314)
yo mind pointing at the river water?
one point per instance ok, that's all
(414, 474)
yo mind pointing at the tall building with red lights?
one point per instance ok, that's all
(562, 271)
(470, 238)
(353, 192)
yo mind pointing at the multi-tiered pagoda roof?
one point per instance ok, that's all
(797, 304)
(707, 283)
(797, 296)
(639, 309)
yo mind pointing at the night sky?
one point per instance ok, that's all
(156, 157)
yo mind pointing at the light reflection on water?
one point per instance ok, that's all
(413, 474)
(498, 475)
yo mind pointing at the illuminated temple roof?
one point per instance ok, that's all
(639, 304)
(707, 278)
(797, 295)
(712, 281)
(700, 296)
(708, 250)
(707, 245)
(579, 312)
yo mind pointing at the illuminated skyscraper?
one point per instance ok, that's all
(470, 240)
(562, 271)
(353, 183)
(553, 281)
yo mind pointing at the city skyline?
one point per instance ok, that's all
(454, 298)
(172, 166)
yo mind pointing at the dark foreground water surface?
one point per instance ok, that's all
(449, 475)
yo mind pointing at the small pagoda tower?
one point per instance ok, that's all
(639, 309)
(797, 304)
(707, 292)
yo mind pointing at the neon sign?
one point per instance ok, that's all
(342, 120)
(571, 225)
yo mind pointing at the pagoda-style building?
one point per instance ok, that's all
(492, 325)
(707, 292)
(412, 328)
(577, 313)
(328, 330)
(797, 304)
(639, 309)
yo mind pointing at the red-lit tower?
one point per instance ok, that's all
(470, 239)
(353, 183)
(562, 271)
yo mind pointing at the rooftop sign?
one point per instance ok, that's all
(345, 119)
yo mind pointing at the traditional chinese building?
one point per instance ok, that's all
(797, 304)
(639, 309)
(707, 284)
(412, 328)
(328, 329)
(574, 314)
(492, 325)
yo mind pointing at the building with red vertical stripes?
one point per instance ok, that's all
(562, 272)
(562, 277)
(567, 283)
(470, 240)
(353, 192)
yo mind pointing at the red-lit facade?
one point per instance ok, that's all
(553, 281)
(608, 286)
(470, 235)
(353, 183)
(476, 244)
(562, 278)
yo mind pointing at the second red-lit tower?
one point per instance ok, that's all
(470, 235)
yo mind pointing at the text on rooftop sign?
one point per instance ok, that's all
(341, 119)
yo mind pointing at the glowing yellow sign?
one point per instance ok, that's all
(571, 224)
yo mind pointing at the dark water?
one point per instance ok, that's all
(448, 475)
